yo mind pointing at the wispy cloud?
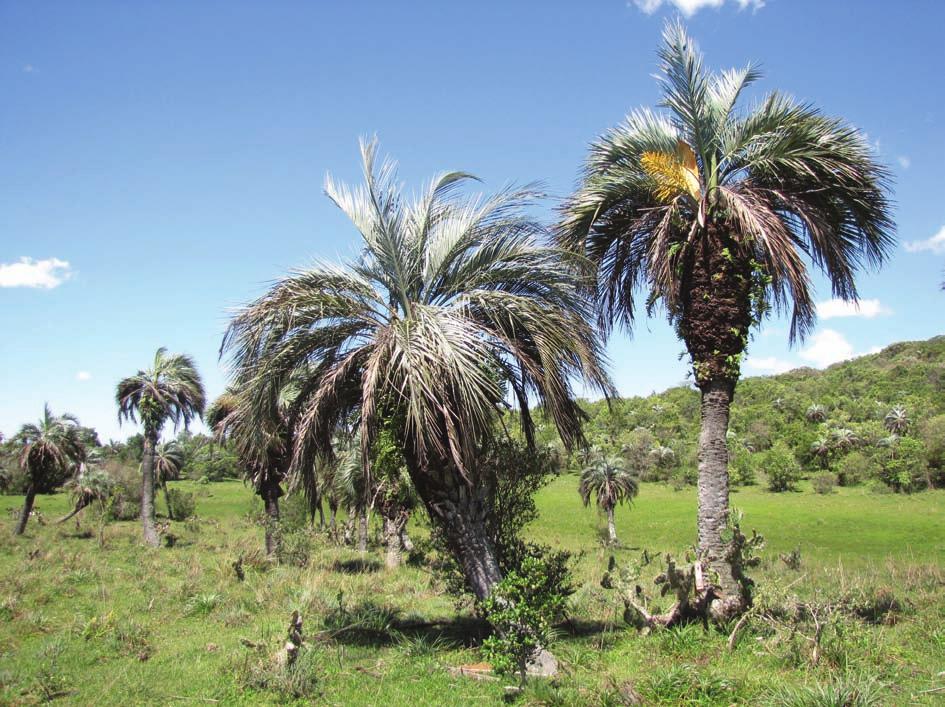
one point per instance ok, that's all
(769, 364)
(691, 7)
(83, 376)
(27, 272)
(826, 347)
(904, 161)
(936, 244)
(29, 69)
(866, 308)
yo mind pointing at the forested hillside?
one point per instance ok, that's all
(877, 417)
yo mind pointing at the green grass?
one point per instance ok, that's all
(122, 624)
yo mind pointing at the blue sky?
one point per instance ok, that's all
(161, 163)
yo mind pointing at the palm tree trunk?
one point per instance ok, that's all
(27, 509)
(392, 541)
(167, 500)
(147, 492)
(611, 527)
(362, 529)
(405, 540)
(713, 514)
(271, 502)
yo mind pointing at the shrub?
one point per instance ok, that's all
(741, 466)
(824, 483)
(903, 465)
(522, 609)
(855, 468)
(932, 434)
(781, 468)
(181, 504)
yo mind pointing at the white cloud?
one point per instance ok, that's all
(48, 273)
(867, 308)
(691, 7)
(826, 347)
(769, 364)
(29, 69)
(904, 161)
(936, 244)
(83, 376)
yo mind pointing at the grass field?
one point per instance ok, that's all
(123, 624)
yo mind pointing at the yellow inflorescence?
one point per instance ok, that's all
(674, 174)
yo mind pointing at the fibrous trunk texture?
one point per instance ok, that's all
(611, 527)
(715, 319)
(27, 509)
(271, 493)
(150, 533)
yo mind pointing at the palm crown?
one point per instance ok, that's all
(52, 448)
(170, 390)
(610, 481)
(452, 301)
(763, 188)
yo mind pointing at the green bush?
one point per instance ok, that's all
(903, 466)
(181, 504)
(824, 483)
(781, 468)
(741, 466)
(522, 609)
(855, 468)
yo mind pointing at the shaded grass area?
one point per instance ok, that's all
(121, 624)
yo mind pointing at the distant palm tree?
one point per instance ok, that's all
(51, 450)
(713, 212)
(168, 461)
(170, 390)
(897, 420)
(609, 480)
(453, 306)
(844, 439)
(89, 485)
(816, 413)
(263, 450)
(821, 448)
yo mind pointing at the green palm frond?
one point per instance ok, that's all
(791, 187)
(170, 390)
(610, 481)
(453, 305)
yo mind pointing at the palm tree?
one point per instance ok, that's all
(897, 420)
(263, 452)
(608, 479)
(711, 211)
(453, 306)
(170, 390)
(168, 461)
(89, 485)
(51, 450)
(844, 439)
(816, 413)
(821, 448)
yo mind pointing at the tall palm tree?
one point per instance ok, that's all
(453, 306)
(51, 450)
(897, 420)
(264, 451)
(609, 480)
(714, 212)
(168, 461)
(821, 448)
(170, 390)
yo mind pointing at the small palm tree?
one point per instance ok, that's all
(897, 420)
(609, 480)
(816, 413)
(715, 212)
(89, 485)
(844, 439)
(170, 390)
(454, 305)
(821, 448)
(51, 450)
(263, 450)
(168, 461)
